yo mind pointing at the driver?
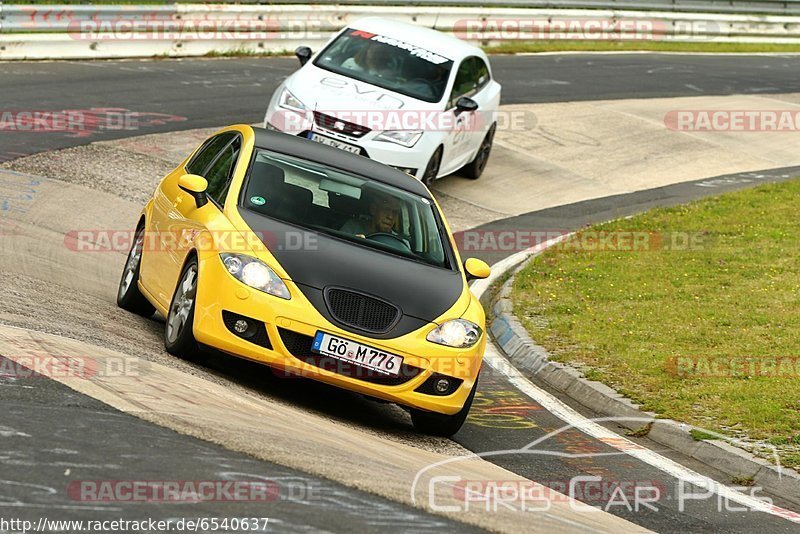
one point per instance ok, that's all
(384, 212)
(374, 59)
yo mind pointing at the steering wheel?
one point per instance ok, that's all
(390, 240)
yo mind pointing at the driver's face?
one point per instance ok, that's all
(385, 212)
(376, 57)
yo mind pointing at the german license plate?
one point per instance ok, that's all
(335, 144)
(362, 355)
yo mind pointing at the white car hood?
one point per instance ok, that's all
(325, 91)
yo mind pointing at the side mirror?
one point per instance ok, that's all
(303, 53)
(465, 104)
(195, 186)
(476, 269)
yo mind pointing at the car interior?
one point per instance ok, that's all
(412, 76)
(326, 202)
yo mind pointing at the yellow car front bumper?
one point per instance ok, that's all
(287, 321)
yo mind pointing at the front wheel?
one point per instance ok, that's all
(432, 170)
(128, 295)
(436, 424)
(178, 335)
(474, 169)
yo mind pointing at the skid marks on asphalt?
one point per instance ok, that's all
(499, 405)
(512, 430)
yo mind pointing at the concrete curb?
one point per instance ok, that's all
(721, 454)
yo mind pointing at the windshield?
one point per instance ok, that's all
(343, 205)
(388, 63)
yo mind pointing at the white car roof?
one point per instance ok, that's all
(432, 40)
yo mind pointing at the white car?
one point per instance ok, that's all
(407, 96)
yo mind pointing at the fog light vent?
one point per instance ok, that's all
(247, 328)
(440, 385)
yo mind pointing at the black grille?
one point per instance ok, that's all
(299, 345)
(348, 128)
(256, 331)
(361, 311)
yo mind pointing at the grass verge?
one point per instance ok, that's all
(699, 323)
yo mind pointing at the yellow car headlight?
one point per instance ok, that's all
(458, 333)
(254, 273)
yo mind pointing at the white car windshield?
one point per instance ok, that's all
(388, 63)
(343, 205)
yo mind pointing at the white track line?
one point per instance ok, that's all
(497, 361)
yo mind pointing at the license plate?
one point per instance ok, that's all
(335, 144)
(362, 355)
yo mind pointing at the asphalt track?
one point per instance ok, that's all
(54, 438)
(196, 93)
(222, 91)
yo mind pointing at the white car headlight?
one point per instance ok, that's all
(255, 274)
(288, 101)
(458, 333)
(401, 137)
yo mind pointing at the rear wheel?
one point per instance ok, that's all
(178, 336)
(128, 295)
(436, 424)
(475, 168)
(432, 170)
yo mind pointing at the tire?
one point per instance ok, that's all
(178, 336)
(432, 170)
(474, 169)
(436, 424)
(128, 295)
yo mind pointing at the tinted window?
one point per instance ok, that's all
(472, 75)
(482, 72)
(220, 173)
(346, 206)
(389, 63)
(207, 153)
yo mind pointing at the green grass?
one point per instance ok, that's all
(699, 435)
(623, 46)
(629, 316)
(742, 481)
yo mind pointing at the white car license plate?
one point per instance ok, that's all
(334, 143)
(344, 349)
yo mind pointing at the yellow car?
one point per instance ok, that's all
(317, 262)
